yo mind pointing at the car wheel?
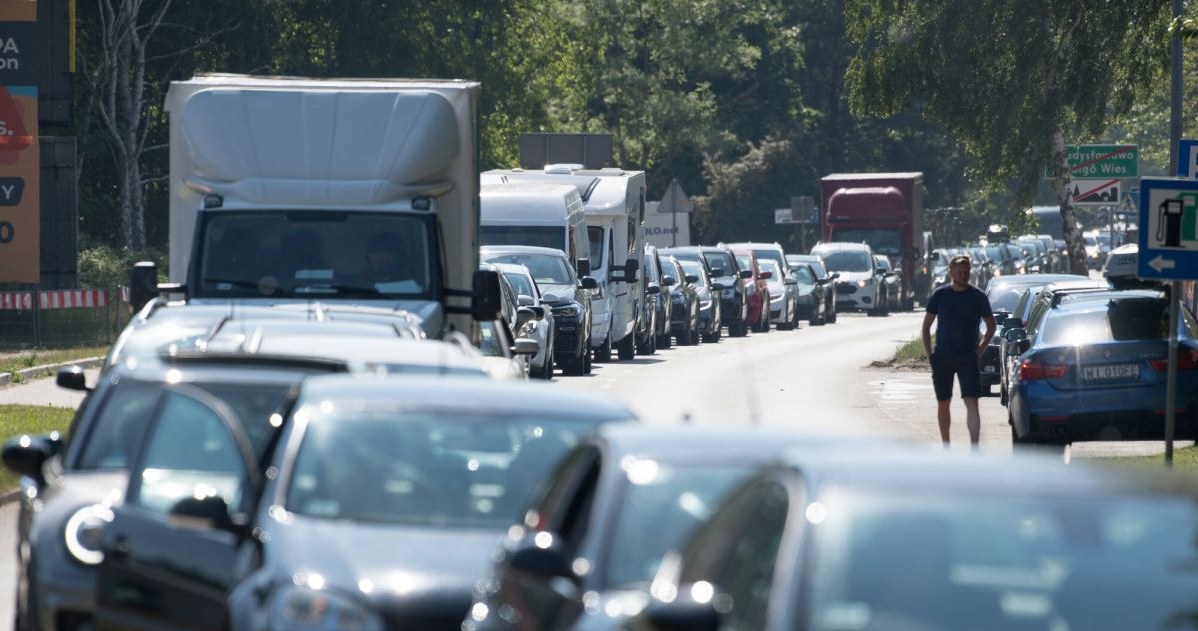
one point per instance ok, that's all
(832, 314)
(665, 340)
(603, 353)
(626, 349)
(1002, 394)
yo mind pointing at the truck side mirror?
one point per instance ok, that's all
(583, 267)
(486, 301)
(143, 284)
(631, 267)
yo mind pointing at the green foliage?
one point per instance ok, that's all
(107, 267)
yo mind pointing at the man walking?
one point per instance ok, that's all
(957, 308)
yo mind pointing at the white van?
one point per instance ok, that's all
(614, 200)
(531, 213)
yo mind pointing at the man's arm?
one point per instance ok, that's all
(926, 332)
(990, 326)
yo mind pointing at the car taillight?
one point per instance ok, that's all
(1031, 370)
(1187, 359)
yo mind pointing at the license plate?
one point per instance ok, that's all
(1111, 372)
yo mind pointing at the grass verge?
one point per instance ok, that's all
(29, 419)
(29, 359)
(911, 351)
(1184, 459)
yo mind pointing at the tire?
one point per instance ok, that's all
(1002, 394)
(603, 353)
(586, 360)
(695, 337)
(626, 348)
(831, 315)
(740, 328)
(665, 340)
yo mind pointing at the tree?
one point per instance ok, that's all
(1010, 77)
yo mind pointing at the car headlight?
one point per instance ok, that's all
(863, 283)
(308, 608)
(569, 311)
(83, 532)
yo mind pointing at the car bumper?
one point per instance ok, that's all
(991, 371)
(733, 310)
(568, 339)
(1114, 413)
(853, 297)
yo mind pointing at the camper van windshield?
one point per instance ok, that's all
(595, 234)
(306, 253)
(880, 241)
(539, 236)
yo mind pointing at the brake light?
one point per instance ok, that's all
(1032, 370)
(1187, 359)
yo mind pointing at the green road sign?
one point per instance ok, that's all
(1101, 161)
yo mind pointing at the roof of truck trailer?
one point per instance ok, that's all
(602, 190)
(873, 176)
(231, 80)
(536, 201)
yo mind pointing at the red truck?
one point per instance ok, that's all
(884, 210)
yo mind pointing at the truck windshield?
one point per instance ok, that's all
(595, 234)
(539, 236)
(846, 261)
(307, 253)
(881, 241)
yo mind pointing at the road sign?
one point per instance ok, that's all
(1101, 161)
(803, 210)
(1128, 205)
(1095, 192)
(1187, 157)
(1168, 229)
(783, 215)
(674, 200)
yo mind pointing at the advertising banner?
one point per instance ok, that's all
(20, 219)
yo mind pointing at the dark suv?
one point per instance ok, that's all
(734, 310)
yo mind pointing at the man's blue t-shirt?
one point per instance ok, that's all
(958, 315)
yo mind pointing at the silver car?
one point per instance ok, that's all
(528, 294)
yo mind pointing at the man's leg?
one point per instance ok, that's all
(944, 418)
(973, 419)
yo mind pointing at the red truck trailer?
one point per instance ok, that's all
(884, 210)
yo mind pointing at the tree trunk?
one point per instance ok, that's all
(1072, 236)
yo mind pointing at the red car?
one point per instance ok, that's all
(757, 293)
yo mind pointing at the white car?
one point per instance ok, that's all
(528, 294)
(783, 301)
(859, 286)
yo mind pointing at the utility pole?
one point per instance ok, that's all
(1175, 93)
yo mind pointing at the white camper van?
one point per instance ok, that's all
(614, 200)
(334, 190)
(536, 214)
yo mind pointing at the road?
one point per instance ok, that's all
(816, 379)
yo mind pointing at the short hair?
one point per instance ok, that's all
(961, 259)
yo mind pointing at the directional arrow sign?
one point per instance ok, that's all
(1168, 229)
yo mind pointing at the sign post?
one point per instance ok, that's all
(1168, 241)
(675, 201)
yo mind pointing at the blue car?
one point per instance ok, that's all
(1094, 368)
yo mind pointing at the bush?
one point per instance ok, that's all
(106, 267)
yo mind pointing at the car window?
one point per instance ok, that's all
(544, 268)
(191, 453)
(743, 261)
(453, 469)
(115, 433)
(521, 284)
(720, 260)
(1121, 320)
(551, 507)
(695, 269)
(803, 275)
(880, 558)
(769, 265)
(661, 503)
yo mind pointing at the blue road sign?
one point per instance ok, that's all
(1187, 157)
(1168, 229)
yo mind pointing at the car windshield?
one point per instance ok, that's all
(846, 260)
(883, 263)
(720, 261)
(692, 268)
(551, 270)
(520, 283)
(315, 253)
(880, 241)
(768, 265)
(906, 561)
(448, 469)
(1122, 320)
(743, 261)
(803, 275)
(660, 504)
(1004, 296)
(539, 236)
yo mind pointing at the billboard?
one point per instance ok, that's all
(20, 233)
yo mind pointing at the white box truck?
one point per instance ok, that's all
(614, 200)
(335, 190)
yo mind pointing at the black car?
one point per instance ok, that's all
(813, 293)
(372, 503)
(734, 309)
(567, 291)
(645, 488)
(654, 319)
(684, 302)
(912, 538)
(823, 277)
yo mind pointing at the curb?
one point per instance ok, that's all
(25, 374)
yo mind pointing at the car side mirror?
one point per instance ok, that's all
(718, 271)
(524, 300)
(1024, 345)
(538, 311)
(765, 275)
(209, 512)
(746, 273)
(524, 315)
(668, 281)
(546, 563)
(588, 282)
(486, 300)
(1000, 317)
(653, 289)
(25, 454)
(525, 346)
(835, 275)
(683, 613)
(1014, 334)
(692, 279)
(583, 267)
(72, 378)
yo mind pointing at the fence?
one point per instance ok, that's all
(69, 317)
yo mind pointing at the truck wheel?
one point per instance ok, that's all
(627, 346)
(603, 353)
